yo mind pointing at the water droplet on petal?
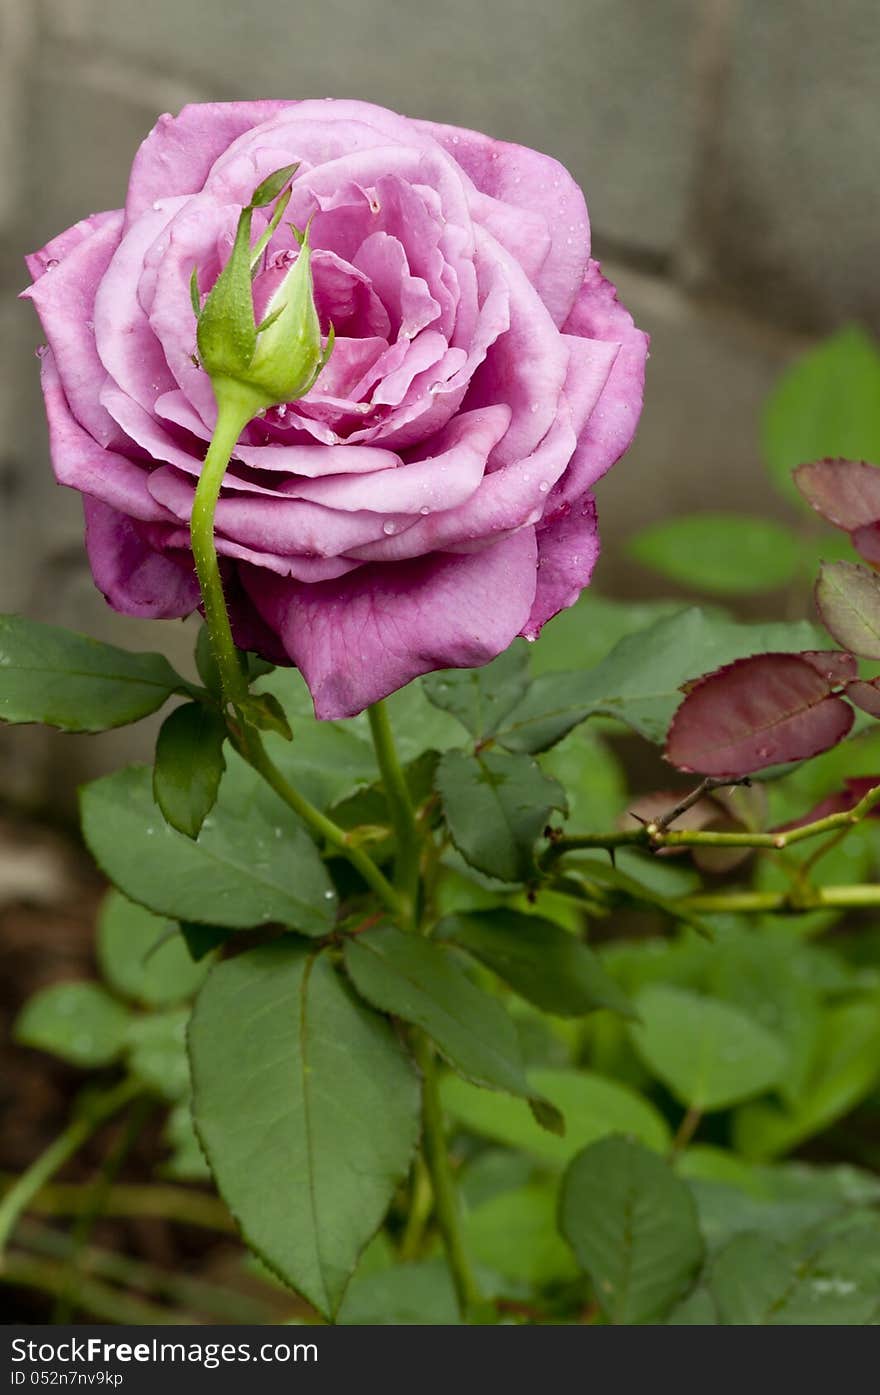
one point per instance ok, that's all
(389, 527)
(52, 263)
(41, 350)
(544, 486)
(534, 407)
(424, 510)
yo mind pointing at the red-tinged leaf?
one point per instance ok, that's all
(766, 710)
(865, 695)
(848, 598)
(837, 667)
(838, 803)
(866, 542)
(845, 492)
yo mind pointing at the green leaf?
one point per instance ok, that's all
(481, 697)
(592, 1106)
(144, 957)
(755, 1282)
(252, 862)
(79, 1022)
(407, 1295)
(846, 1069)
(157, 1052)
(586, 633)
(187, 1161)
(709, 1054)
(202, 939)
(542, 962)
(826, 404)
(496, 805)
(515, 1235)
(412, 978)
(308, 1110)
(696, 1310)
(724, 554)
(848, 598)
(633, 1226)
(74, 683)
(189, 766)
(640, 681)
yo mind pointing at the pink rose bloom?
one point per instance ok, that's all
(430, 498)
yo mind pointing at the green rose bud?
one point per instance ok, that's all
(278, 360)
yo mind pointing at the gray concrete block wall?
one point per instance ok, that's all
(728, 149)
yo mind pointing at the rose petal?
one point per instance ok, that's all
(358, 639)
(134, 578)
(528, 180)
(177, 155)
(64, 298)
(80, 463)
(568, 549)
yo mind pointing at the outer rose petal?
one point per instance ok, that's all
(177, 155)
(80, 463)
(534, 182)
(64, 298)
(568, 550)
(134, 578)
(364, 636)
(598, 314)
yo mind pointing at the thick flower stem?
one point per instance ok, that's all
(235, 408)
(254, 751)
(78, 1131)
(445, 1197)
(400, 806)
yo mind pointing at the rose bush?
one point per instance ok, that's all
(430, 498)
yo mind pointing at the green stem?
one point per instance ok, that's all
(442, 1184)
(254, 751)
(91, 1212)
(653, 837)
(78, 1131)
(49, 1276)
(235, 408)
(818, 898)
(399, 804)
(160, 1201)
(183, 1291)
(421, 1198)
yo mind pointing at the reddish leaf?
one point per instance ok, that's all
(845, 492)
(848, 598)
(865, 695)
(766, 710)
(834, 665)
(866, 542)
(838, 803)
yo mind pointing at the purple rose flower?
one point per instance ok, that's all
(430, 498)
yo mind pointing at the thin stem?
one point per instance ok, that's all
(49, 1276)
(818, 898)
(78, 1131)
(652, 836)
(399, 804)
(97, 1194)
(443, 1186)
(707, 786)
(687, 1128)
(235, 408)
(254, 751)
(163, 1201)
(419, 1212)
(182, 1290)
